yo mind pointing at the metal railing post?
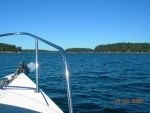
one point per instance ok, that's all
(37, 75)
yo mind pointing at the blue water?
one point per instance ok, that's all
(97, 80)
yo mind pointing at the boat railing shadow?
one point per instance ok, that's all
(19, 88)
(26, 88)
(44, 97)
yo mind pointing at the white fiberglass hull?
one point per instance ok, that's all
(20, 97)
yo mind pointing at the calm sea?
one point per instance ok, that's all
(100, 83)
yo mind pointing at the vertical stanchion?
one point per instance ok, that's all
(37, 76)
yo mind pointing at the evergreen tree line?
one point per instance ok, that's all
(123, 47)
(117, 47)
(9, 48)
(79, 50)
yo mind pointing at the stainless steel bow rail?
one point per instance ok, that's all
(64, 59)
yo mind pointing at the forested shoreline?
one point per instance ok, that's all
(115, 48)
(107, 48)
(79, 50)
(123, 47)
(9, 48)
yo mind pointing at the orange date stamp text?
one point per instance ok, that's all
(129, 101)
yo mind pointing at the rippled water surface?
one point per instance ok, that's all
(100, 83)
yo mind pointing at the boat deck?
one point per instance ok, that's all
(20, 97)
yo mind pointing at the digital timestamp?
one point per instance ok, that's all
(129, 101)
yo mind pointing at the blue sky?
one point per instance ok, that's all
(75, 23)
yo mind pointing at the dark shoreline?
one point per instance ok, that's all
(79, 52)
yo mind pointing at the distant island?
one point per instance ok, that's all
(79, 50)
(33, 50)
(116, 47)
(7, 48)
(107, 48)
(4, 48)
(123, 47)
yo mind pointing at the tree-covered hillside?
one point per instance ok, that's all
(117, 47)
(33, 51)
(79, 50)
(9, 48)
(123, 47)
